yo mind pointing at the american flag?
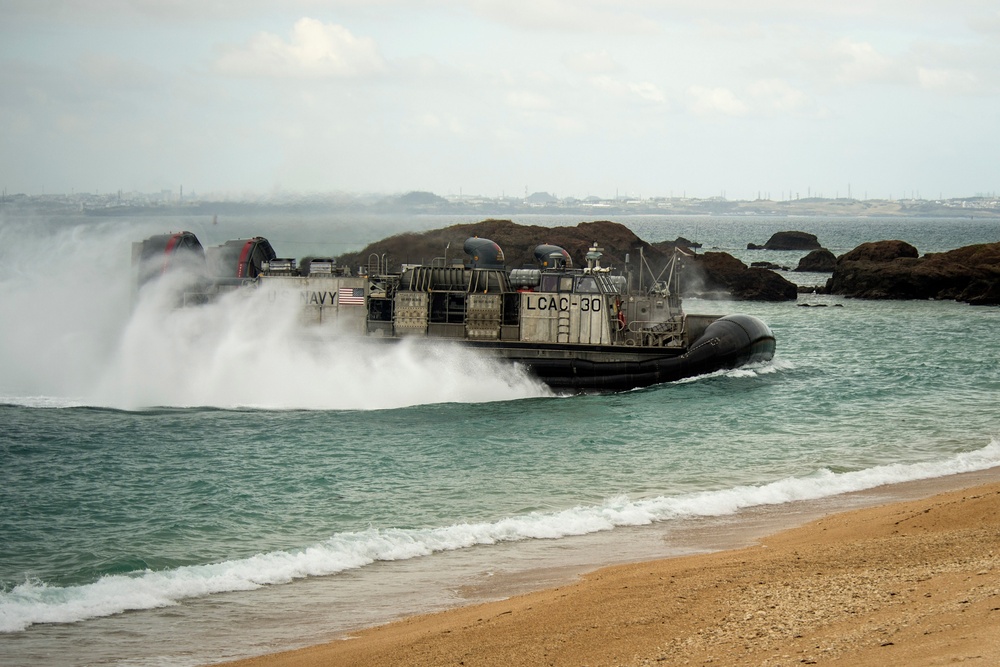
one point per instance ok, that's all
(351, 296)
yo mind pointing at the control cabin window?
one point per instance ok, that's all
(586, 285)
(550, 283)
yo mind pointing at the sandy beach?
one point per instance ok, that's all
(909, 583)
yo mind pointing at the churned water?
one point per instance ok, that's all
(183, 487)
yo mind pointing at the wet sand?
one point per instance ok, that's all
(914, 582)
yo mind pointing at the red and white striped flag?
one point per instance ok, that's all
(351, 296)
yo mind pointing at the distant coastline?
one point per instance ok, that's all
(170, 203)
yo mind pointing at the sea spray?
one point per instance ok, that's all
(76, 332)
(65, 298)
(247, 349)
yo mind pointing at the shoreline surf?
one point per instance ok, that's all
(431, 638)
(31, 603)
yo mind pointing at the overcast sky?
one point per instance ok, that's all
(640, 98)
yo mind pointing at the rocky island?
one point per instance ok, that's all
(788, 241)
(895, 270)
(877, 270)
(711, 273)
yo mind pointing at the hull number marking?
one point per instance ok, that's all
(545, 302)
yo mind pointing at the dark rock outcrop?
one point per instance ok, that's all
(517, 241)
(880, 251)
(894, 270)
(820, 261)
(711, 272)
(667, 247)
(788, 241)
(682, 242)
(721, 271)
(768, 265)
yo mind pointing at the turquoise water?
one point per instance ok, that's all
(178, 488)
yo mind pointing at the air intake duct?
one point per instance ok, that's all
(241, 258)
(484, 254)
(553, 257)
(168, 252)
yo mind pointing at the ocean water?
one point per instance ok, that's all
(182, 487)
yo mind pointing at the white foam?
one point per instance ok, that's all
(248, 351)
(70, 336)
(35, 602)
(753, 370)
(42, 401)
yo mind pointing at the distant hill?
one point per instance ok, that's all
(541, 198)
(418, 198)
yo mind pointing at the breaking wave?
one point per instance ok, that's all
(34, 602)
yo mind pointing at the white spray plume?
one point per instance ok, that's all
(72, 335)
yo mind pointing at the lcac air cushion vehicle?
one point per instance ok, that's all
(575, 329)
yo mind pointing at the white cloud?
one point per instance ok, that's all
(539, 111)
(761, 98)
(780, 97)
(647, 91)
(569, 125)
(495, 89)
(715, 101)
(527, 101)
(860, 62)
(433, 123)
(315, 50)
(103, 71)
(945, 80)
(958, 67)
(567, 16)
(644, 90)
(988, 24)
(590, 62)
(71, 124)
